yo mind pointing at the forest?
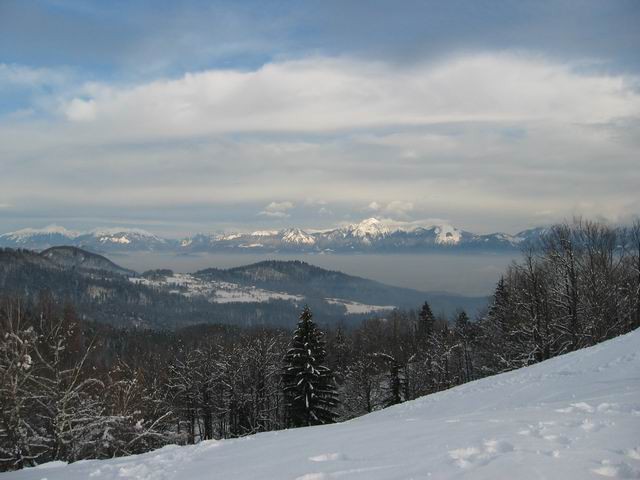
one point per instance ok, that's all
(72, 388)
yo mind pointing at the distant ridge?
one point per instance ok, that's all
(369, 235)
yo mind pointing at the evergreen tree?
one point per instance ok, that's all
(463, 332)
(309, 389)
(426, 323)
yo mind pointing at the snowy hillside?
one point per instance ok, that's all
(572, 417)
(216, 291)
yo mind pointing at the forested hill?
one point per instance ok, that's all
(267, 293)
(76, 258)
(301, 278)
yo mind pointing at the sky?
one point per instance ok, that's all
(180, 117)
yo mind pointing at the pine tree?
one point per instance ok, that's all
(426, 323)
(463, 335)
(309, 389)
(493, 342)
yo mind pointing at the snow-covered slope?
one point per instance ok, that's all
(118, 238)
(572, 417)
(214, 291)
(447, 235)
(369, 228)
(297, 237)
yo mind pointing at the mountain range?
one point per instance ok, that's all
(370, 235)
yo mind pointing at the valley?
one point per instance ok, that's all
(267, 292)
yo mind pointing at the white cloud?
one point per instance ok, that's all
(394, 208)
(323, 94)
(398, 208)
(80, 110)
(277, 209)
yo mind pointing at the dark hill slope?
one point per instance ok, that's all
(301, 278)
(76, 258)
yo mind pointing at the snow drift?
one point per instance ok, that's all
(573, 417)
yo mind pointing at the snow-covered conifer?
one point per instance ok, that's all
(309, 388)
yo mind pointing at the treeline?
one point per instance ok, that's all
(71, 389)
(579, 286)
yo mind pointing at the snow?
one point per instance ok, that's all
(122, 235)
(234, 293)
(229, 236)
(371, 227)
(571, 417)
(123, 239)
(215, 291)
(359, 308)
(264, 233)
(447, 235)
(26, 233)
(114, 231)
(298, 237)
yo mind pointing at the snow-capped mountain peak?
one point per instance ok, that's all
(369, 235)
(298, 237)
(264, 233)
(447, 234)
(123, 236)
(27, 233)
(98, 232)
(228, 236)
(371, 227)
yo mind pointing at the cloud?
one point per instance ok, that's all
(25, 76)
(486, 140)
(329, 94)
(313, 202)
(394, 208)
(277, 209)
(80, 110)
(398, 208)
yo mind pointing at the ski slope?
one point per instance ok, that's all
(572, 417)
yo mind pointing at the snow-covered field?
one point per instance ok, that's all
(572, 417)
(225, 292)
(359, 308)
(214, 291)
